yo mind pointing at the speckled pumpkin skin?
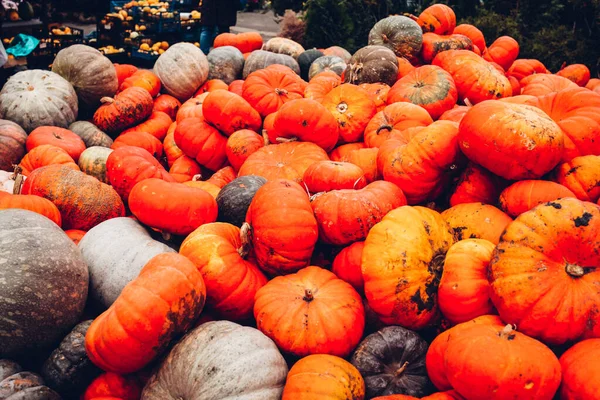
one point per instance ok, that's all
(45, 282)
(225, 63)
(206, 365)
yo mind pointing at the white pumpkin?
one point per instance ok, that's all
(220, 360)
(182, 69)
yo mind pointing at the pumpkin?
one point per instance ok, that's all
(157, 125)
(83, 201)
(210, 354)
(393, 121)
(172, 152)
(109, 386)
(131, 247)
(438, 18)
(476, 221)
(372, 64)
(327, 311)
(475, 79)
(235, 198)
(192, 108)
(222, 177)
(472, 33)
(477, 185)
(347, 266)
(182, 69)
(12, 144)
(403, 290)
(392, 361)
(210, 86)
(92, 74)
(514, 83)
(46, 154)
(129, 165)
(523, 68)
(352, 108)
(282, 45)
(261, 59)
(513, 141)
(378, 92)
(245, 41)
(171, 207)
(581, 175)
(543, 84)
(59, 137)
(75, 235)
(561, 235)
(38, 98)
(434, 44)
(225, 63)
(283, 161)
(503, 51)
(321, 376)
(268, 90)
(334, 64)
(524, 195)
(242, 144)
(202, 142)
(486, 349)
(579, 366)
(424, 166)
(19, 384)
(90, 134)
(404, 67)
(143, 79)
(346, 216)
(366, 159)
(455, 114)
(594, 85)
(229, 112)
(463, 293)
(321, 84)
(184, 169)
(449, 395)
(128, 108)
(139, 139)
(338, 52)
(68, 370)
(124, 71)
(56, 294)
(236, 87)
(180, 290)
(325, 176)
(208, 187)
(399, 33)
(578, 73)
(429, 87)
(167, 104)
(283, 227)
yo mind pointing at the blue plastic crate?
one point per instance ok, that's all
(136, 53)
(161, 23)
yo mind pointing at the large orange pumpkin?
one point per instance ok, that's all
(472, 33)
(476, 185)
(523, 68)
(581, 371)
(43, 155)
(393, 121)
(160, 304)
(438, 18)
(191, 108)
(241, 145)
(433, 44)
(321, 84)
(59, 137)
(581, 175)
(325, 176)
(524, 195)
(346, 216)
(211, 85)
(268, 89)
(352, 108)
(402, 265)
(126, 109)
(577, 73)
(504, 51)
(347, 266)
(124, 71)
(139, 139)
(143, 79)
(202, 142)
(542, 84)
(513, 141)
(284, 230)
(544, 274)
(476, 221)
(310, 312)
(167, 104)
(231, 280)
(156, 125)
(229, 112)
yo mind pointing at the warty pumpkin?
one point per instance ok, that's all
(241, 145)
(202, 142)
(522, 196)
(322, 313)
(503, 51)
(268, 90)
(477, 185)
(352, 108)
(393, 120)
(577, 73)
(580, 373)
(581, 175)
(182, 69)
(476, 221)
(347, 266)
(522, 68)
(46, 154)
(156, 125)
(126, 109)
(139, 139)
(12, 144)
(229, 112)
(175, 294)
(59, 137)
(144, 79)
(372, 64)
(399, 33)
(325, 176)
(434, 44)
(167, 104)
(438, 18)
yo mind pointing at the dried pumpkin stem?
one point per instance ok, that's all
(508, 332)
(401, 370)
(384, 127)
(308, 295)
(19, 179)
(245, 235)
(197, 177)
(107, 100)
(281, 91)
(265, 137)
(575, 271)
(468, 103)
(286, 140)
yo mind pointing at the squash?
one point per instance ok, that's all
(143, 79)
(438, 18)
(43, 155)
(580, 373)
(89, 71)
(476, 221)
(111, 386)
(434, 44)
(229, 112)
(325, 176)
(352, 108)
(157, 125)
(401, 34)
(126, 109)
(56, 295)
(267, 90)
(241, 145)
(305, 60)
(202, 142)
(395, 120)
(68, 370)
(225, 63)
(93, 162)
(18, 384)
(90, 134)
(235, 198)
(372, 64)
(182, 69)
(392, 361)
(477, 185)
(503, 51)
(522, 196)
(24, 100)
(59, 137)
(210, 355)
(281, 45)
(12, 144)
(131, 247)
(260, 59)
(327, 63)
(167, 104)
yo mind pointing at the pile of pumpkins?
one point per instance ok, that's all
(416, 220)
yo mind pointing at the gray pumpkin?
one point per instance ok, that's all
(220, 360)
(90, 134)
(400, 34)
(18, 385)
(115, 251)
(235, 198)
(372, 64)
(44, 282)
(261, 59)
(225, 63)
(282, 45)
(327, 63)
(38, 98)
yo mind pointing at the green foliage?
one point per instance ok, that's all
(279, 6)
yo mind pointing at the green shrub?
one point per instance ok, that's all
(279, 6)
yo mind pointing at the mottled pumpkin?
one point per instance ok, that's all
(524, 195)
(401, 34)
(225, 63)
(372, 64)
(126, 109)
(268, 90)
(281, 45)
(235, 198)
(338, 52)
(182, 69)
(43, 155)
(438, 18)
(12, 144)
(333, 64)
(581, 175)
(352, 108)
(434, 44)
(241, 145)
(261, 59)
(202, 142)
(476, 221)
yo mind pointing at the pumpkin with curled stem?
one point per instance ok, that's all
(392, 361)
(394, 119)
(126, 109)
(399, 33)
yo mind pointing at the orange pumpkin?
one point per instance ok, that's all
(366, 159)
(202, 142)
(170, 147)
(504, 51)
(211, 85)
(455, 114)
(325, 176)
(241, 145)
(523, 68)
(126, 109)
(245, 42)
(524, 195)
(438, 18)
(449, 395)
(352, 108)
(231, 280)
(59, 137)
(208, 187)
(472, 33)
(543, 274)
(402, 264)
(429, 87)
(143, 79)
(393, 120)
(157, 125)
(43, 155)
(581, 176)
(284, 230)
(171, 207)
(378, 92)
(433, 44)
(404, 67)
(139, 139)
(167, 104)
(476, 221)
(580, 371)
(476, 185)
(594, 85)
(463, 293)
(347, 266)
(131, 332)
(577, 73)
(542, 84)
(236, 87)
(184, 169)
(75, 235)
(321, 84)
(342, 153)
(268, 89)
(222, 177)
(124, 71)
(192, 108)
(321, 313)
(229, 112)
(113, 386)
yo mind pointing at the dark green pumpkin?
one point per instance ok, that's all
(327, 63)
(90, 134)
(16, 384)
(26, 11)
(261, 59)
(392, 361)
(225, 63)
(235, 198)
(68, 370)
(400, 34)
(372, 64)
(306, 59)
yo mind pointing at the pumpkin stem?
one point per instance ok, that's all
(197, 177)
(107, 100)
(19, 179)
(508, 332)
(356, 183)
(342, 108)
(166, 236)
(401, 370)
(265, 137)
(286, 140)
(411, 16)
(468, 103)
(280, 92)
(575, 271)
(245, 236)
(308, 295)
(314, 196)
(386, 127)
